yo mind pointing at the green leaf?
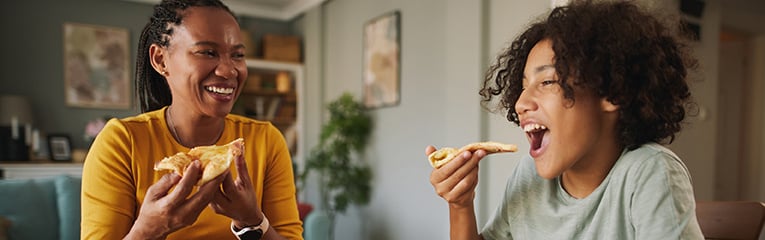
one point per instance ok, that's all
(344, 181)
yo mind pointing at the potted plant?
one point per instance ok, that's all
(343, 179)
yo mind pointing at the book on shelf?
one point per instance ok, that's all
(273, 107)
(259, 110)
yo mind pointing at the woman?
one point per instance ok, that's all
(190, 70)
(595, 86)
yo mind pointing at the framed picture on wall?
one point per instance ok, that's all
(96, 66)
(382, 61)
(59, 147)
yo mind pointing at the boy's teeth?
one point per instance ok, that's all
(533, 127)
(220, 90)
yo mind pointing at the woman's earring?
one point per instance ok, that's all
(164, 73)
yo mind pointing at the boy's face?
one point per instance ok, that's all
(563, 134)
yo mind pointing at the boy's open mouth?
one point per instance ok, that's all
(535, 133)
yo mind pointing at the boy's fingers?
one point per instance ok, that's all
(429, 149)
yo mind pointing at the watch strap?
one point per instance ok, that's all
(251, 232)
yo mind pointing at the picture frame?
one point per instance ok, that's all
(96, 66)
(381, 72)
(59, 147)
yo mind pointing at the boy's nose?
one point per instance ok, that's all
(524, 103)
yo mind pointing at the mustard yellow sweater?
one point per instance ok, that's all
(120, 168)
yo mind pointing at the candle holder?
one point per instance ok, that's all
(15, 128)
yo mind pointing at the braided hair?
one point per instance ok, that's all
(151, 87)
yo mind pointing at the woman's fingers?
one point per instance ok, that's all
(160, 189)
(243, 177)
(190, 177)
(228, 185)
(205, 195)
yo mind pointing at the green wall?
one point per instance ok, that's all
(32, 58)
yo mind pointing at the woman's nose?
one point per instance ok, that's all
(227, 69)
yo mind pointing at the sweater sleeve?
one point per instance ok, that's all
(279, 200)
(108, 192)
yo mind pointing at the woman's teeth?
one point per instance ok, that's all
(219, 90)
(534, 127)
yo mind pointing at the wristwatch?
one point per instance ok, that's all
(251, 232)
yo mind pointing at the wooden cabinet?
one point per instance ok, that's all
(272, 93)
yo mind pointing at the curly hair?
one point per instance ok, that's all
(151, 87)
(614, 49)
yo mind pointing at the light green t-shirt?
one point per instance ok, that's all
(647, 195)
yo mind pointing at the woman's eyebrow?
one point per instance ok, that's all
(213, 44)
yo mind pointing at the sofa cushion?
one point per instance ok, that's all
(30, 205)
(316, 226)
(68, 200)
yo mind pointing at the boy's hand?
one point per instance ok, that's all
(456, 181)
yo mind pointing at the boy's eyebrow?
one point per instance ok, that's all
(543, 67)
(540, 69)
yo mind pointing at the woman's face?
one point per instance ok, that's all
(562, 133)
(205, 62)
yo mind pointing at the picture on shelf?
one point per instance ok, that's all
(60, 147)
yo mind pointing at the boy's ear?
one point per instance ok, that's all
(608, 106)
(157, 58)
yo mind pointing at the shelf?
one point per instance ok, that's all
(263, 98)
(268, 92)
(33, 169)
(273, 65)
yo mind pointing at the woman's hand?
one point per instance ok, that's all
(163, 213)
(455, 182)
(237, 199)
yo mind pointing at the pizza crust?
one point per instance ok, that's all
(447, 154)
(214, 159)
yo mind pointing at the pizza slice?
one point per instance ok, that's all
(446, 154)
(214, 159)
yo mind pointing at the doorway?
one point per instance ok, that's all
(740, 118)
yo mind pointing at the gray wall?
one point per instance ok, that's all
(442, 62)
(32, 57)
(32, 63)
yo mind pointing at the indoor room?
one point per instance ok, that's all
(412, 70)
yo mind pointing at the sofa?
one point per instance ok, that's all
(49, 208)
(42, 208)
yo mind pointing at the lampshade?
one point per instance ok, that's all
(15, 106)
